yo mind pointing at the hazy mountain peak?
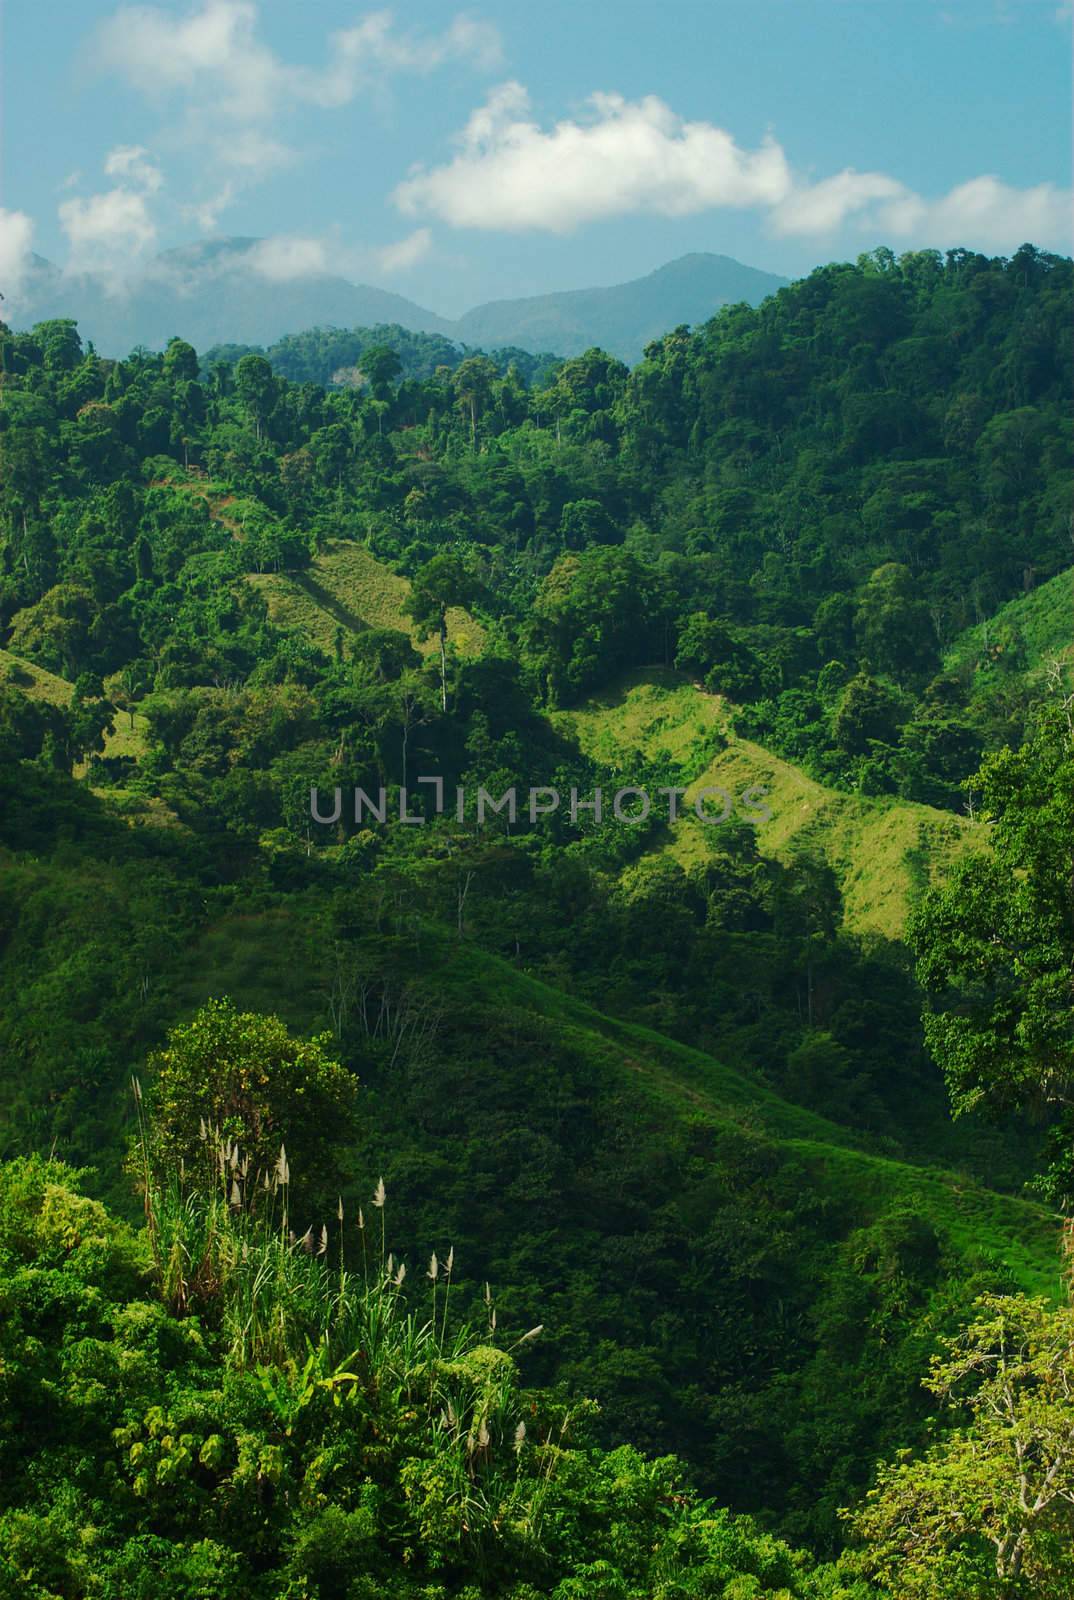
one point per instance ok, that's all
(221, 290)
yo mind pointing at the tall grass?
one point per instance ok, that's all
(312, 1330)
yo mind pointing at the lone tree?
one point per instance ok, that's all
(440, 584)
(380, 366)
(243, 1074)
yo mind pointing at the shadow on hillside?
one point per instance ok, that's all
(327, 601)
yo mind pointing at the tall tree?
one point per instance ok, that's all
(440, 584)
(988, 1513)
(995, 945)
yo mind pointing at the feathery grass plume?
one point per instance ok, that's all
(432, 1274)
(448, 1264)
(203, 1132)
(307, 1241)
(479, 1437)
(534, 1333)
(236, 1195)
(339, 1210)
(281, 1177)
(400, 1275)
(323, 1245)
(520, 1436)
(379, 1197)
(365, 1259)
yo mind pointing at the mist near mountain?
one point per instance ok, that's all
(206, 293)
(235, 290)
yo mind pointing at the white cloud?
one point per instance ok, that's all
(107, 232)
(250, 152)
(405, 252)
(215, 54)
(373, 45)
(626, 157)
(825, 206)
(213, 48)
(16, 237)
(985, 213)
(640, 158)
(285, 257)
(206, 213)
(234, 90)
(129, 162)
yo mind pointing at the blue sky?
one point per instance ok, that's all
(459, 156)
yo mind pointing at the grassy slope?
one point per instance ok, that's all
(346, 586)
(1043, 619)
(883, 850)
(258, 960)
(37, 684)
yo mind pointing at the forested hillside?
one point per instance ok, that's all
(334, 355)
(763, 1118)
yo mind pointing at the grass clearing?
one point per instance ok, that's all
(347, 587)
(34, 682)
(884, 851)
(1042, 620)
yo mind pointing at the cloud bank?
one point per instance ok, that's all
(216, 54)
(637, 158)
(110, 232)
(232, 96)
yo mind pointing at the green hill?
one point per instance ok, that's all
(883, 850)
(257, 959)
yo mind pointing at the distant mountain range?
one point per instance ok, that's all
(224, 291)
(624, 318)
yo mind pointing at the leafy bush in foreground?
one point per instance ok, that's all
(306, 1431)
